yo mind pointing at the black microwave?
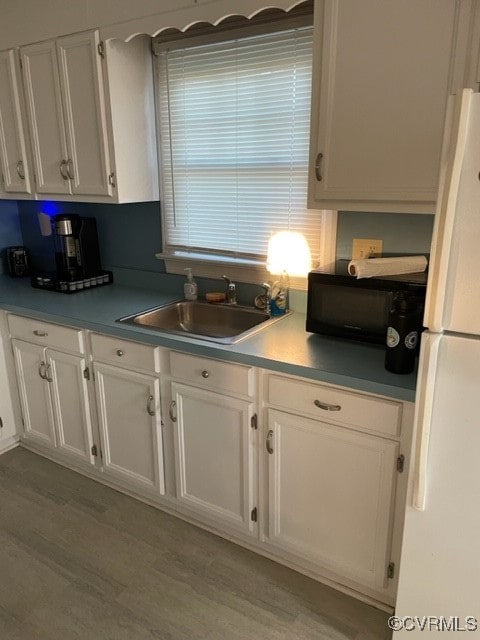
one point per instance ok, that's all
(358, 309)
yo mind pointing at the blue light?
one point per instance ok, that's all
(49, 208)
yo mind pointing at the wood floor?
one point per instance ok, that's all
(79, 560)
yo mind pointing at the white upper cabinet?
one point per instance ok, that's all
(64, 88)
(13, 142)
(382, 72)
(80, 65)
(91, 118)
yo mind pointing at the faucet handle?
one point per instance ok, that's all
(231, 290)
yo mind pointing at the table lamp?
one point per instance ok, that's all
(288, 256)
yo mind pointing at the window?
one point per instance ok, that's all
(234, 121)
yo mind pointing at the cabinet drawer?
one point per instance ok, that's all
(335, 405)
(124, 353)
(212, 374)
(45, 333)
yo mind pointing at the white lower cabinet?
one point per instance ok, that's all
(214, 457)
(330, 496)
(9, 433)
(308, 473)
(130, 426)
(127, 390)
(54, 398)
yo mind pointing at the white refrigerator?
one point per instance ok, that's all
(439, 579)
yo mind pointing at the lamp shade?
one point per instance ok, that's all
(288, 252)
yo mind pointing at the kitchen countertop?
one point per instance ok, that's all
(284, 346)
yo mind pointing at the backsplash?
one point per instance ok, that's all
(130, 235)
(10, 231)
(401, 233)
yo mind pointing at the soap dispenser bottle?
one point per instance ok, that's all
(190, 288)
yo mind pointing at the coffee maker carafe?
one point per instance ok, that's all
(77, 254)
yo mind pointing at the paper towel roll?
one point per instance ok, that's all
(375, 267)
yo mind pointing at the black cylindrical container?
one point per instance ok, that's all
(67, 256)
(404, 325)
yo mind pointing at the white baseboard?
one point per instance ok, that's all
(9, 443)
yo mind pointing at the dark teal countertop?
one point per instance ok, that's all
(284, 346)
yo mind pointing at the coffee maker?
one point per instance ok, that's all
(77, 256)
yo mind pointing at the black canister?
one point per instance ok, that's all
(404, 326)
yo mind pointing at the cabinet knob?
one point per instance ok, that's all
(119, 352)
(41, 334)
(205, 374)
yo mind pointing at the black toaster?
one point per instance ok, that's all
(17, 261)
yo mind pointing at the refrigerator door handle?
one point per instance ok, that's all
(453, 150)
(423, 414)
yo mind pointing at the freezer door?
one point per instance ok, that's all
(440, 563)
(453, 294)
(427, 371)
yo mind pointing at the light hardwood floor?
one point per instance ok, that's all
(81, 561)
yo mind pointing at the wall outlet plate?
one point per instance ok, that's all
(366, 248)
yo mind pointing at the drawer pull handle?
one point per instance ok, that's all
(119, 352)
(205, 374)
(150, 411)
(327, 407)
(40, 334)
(69, 169)
(1, 423)
(41, 372)
(170, 411)
(21, 170)
(63, 169)
(47, 378)
(268, 442)
(318, 171)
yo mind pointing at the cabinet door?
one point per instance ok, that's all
(13, 153)
(214, 457)
(384, 72)
(44, 108)
(71, 404)
(8, 427)
(30, 362)
(130, 426)
(81, 83)
(331, 494)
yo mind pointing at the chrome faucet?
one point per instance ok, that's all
(262, 301)
(231, 290)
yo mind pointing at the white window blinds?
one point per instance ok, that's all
(234, 128)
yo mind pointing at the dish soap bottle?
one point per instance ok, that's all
(190, 288)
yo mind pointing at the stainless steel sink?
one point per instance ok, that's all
(222, 323)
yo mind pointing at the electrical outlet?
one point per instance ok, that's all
(366, 248)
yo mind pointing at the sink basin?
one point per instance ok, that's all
(222, 323)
